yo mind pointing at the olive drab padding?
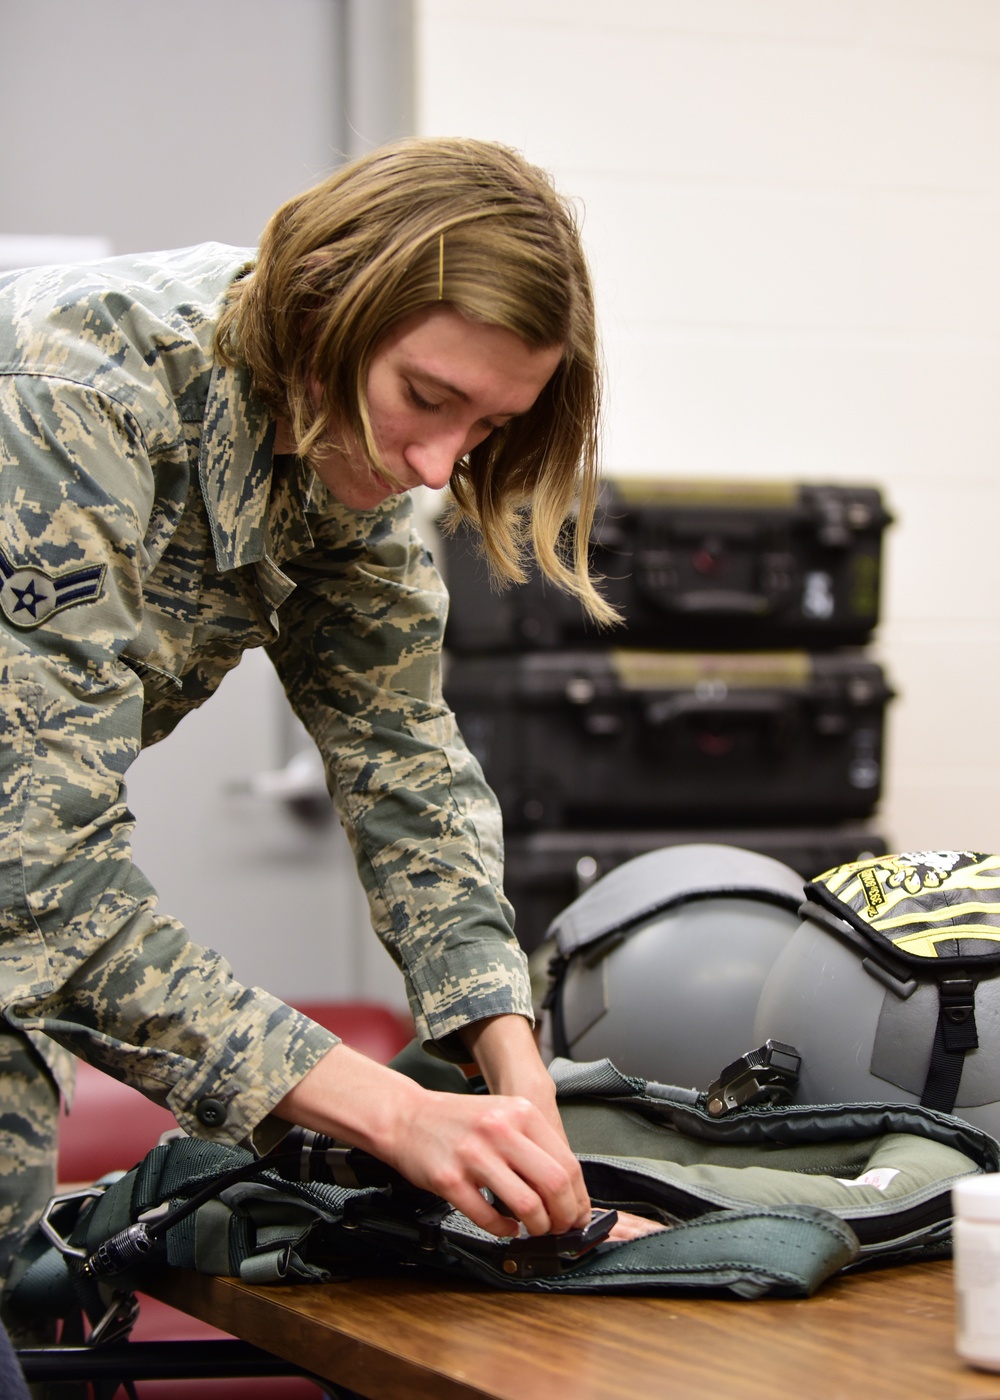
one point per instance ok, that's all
(891, 984)
(659, 964)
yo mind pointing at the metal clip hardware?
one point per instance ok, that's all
(118, 1320)
(767, 1075)
(527, 1256)
(59, 1204)
(540, 1256)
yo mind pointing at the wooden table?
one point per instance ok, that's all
(888, 1333)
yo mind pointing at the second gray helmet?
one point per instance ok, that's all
(890, 988)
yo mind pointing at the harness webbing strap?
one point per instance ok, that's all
(598, 1077)
(651, 884)
(954, 1035)
(789, 1250)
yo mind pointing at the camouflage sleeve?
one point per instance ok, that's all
(359, 654)
(87, 958)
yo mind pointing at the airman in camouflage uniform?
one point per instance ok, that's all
(149, 534)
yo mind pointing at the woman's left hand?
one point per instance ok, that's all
(504, 1049)
(632, 1227)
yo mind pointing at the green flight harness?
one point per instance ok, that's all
(760, 1198)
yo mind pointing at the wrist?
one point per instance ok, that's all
(355, 1100)
(504, 1049)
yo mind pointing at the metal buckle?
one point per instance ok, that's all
(57, 1203)
(767, 1075)
(118, 1320)
(540, 1256)
(426, 1226)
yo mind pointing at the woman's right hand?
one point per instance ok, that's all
(455, 1145)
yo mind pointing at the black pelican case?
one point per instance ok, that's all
(649, 738)
(701, 564)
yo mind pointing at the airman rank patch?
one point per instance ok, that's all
(29, 595)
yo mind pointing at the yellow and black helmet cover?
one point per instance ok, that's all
(920, 905)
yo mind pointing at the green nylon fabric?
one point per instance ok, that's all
(748, 1253)
(806, 1173)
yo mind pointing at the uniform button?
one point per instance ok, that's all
(212, 1112)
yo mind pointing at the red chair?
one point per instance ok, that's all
(111, 1127)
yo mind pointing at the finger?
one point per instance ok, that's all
(505, 1146)
(519, 1175)
(541, 1192)
(543, 1161)
(472, 1203)
(518, 1197)
(633, 1227)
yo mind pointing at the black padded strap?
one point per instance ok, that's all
(954, 1035)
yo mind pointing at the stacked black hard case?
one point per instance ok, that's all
(736, 703)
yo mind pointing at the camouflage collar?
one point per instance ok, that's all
(234, 466)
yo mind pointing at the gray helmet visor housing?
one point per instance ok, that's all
(659, 965)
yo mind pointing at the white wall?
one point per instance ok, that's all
(793, 219)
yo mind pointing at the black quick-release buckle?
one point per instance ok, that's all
(398, 1213)
(767, 1075)
(525, 1256)
(399, 1210)
(541, 1256)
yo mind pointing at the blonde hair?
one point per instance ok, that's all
(406, 227)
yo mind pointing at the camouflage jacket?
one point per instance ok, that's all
(148, 536)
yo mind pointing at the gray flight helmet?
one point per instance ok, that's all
(865, 1030)
(660, 964)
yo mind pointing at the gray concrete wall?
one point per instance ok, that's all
(160, 123)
